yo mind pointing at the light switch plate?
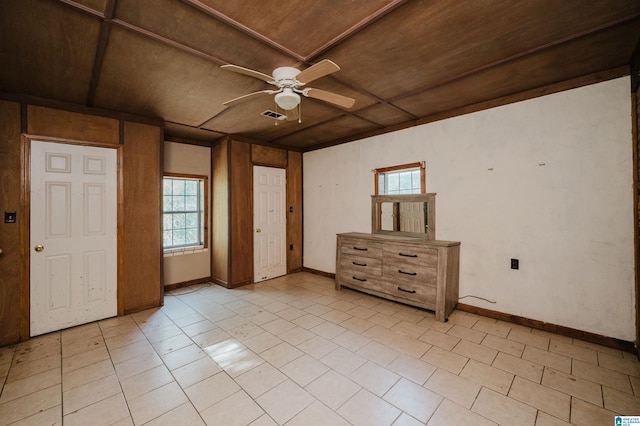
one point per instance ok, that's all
(9, 217)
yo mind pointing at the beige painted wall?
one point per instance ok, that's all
(547, 181)
(186, 266)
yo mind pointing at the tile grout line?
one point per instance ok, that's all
(6, 377)
(115, 372)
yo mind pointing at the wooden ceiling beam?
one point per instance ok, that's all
(521, 54)
(380, 100)
(197, 4)
(380, 13)
(103, 40)
(320, 123)
(344, 114)
(83, 8)
(187, 141)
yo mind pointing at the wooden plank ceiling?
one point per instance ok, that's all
(405, 62)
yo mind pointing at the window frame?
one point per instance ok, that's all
(421, 165)
(205, 209)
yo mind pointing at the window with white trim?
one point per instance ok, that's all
(184, 211)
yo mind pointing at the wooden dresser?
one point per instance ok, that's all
(415, 271)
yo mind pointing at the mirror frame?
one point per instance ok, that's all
(376, 213)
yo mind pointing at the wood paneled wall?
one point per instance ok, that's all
(241, 219)
(10, 193)
(220, 213)
(294, 212)
(268, 156)
(139, 221)
(142, 247)
(73, 125)
(232, 227)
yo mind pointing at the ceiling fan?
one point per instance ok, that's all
(289, 82)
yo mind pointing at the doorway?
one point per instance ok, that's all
(73, 235)
(269, 223)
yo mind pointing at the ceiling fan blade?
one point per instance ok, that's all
(316, 71)
(334, 98)
(292, 114)
(249, 72)
(249, 95)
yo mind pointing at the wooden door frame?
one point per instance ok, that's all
(635, 136)
(25, 219)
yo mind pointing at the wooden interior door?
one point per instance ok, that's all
(73, 228)
(270, 226)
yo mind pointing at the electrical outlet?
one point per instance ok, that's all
(515, 264)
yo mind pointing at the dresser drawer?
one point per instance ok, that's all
(363, 248)
(411, 291)
(405, 254)
(361, 265)
(361, 280)
(410, 273)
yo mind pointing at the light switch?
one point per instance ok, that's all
(9, 217)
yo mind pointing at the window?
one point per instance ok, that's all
(184, 201)
(404, 179)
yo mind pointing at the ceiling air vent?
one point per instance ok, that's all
(273, 114)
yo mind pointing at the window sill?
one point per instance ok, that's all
(185, 250)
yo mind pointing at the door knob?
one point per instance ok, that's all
(0, 251)
(39, 248)
(258, 230)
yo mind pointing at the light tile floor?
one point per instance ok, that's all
(294, 351)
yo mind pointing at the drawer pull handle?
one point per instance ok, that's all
(406, 291)
(407, 273)
(359, 264)
(360, 248)
(408, 255)
(359, 279)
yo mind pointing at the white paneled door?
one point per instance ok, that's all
(73, 252)
(269, 223)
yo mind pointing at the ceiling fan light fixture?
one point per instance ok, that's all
(289, 81)
(287, 99)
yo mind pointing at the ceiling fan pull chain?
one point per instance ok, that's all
(275, 119)
(300, 112)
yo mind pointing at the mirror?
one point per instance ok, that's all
(404, 217)
(411, 215)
